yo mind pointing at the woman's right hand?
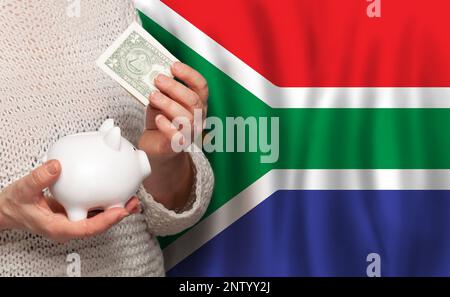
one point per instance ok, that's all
(23, 206)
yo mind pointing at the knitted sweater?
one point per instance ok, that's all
(50, 87)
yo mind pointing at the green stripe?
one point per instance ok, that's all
(364, 138)
(315, 138)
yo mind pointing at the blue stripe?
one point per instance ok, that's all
(330, 233)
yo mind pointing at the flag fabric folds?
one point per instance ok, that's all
(362, 166)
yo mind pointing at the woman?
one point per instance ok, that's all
(50, 87)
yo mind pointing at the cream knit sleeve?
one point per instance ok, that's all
(162, 221)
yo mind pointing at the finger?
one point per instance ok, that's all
(158, 142)
(154, 143)
(169, 130)
(132, 204)
(100, 223)
(39, 179)
(169, 107)
(151, 113)
(192, 79)
(137, 209)
(178, 92)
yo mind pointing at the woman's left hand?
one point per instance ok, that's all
(172, 175)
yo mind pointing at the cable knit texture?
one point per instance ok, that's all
(50, 87)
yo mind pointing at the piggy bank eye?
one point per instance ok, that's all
(134, 149)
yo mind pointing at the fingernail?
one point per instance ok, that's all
(158, 118)
(176, 66)
(51, 167)
(152, 94)
(137, 209)
(162, 78)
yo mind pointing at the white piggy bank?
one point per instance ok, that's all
(100, 170)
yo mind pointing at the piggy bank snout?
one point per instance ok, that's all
(144, 163)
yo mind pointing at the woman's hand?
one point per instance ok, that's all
(23, 206)
(172, 176)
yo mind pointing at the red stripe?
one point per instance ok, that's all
(331, 42)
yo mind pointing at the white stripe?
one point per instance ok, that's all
(313, 179)
(277, 97)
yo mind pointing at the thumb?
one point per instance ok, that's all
(39, 179)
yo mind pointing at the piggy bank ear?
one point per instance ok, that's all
(113, 138)
(106, 126)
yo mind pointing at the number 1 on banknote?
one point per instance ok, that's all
(134, 60)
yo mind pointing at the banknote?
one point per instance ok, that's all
(134, 60)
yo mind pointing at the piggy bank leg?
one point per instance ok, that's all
(76, 214)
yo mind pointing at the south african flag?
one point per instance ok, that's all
(361, 183)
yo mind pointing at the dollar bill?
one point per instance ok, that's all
(134, 60)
